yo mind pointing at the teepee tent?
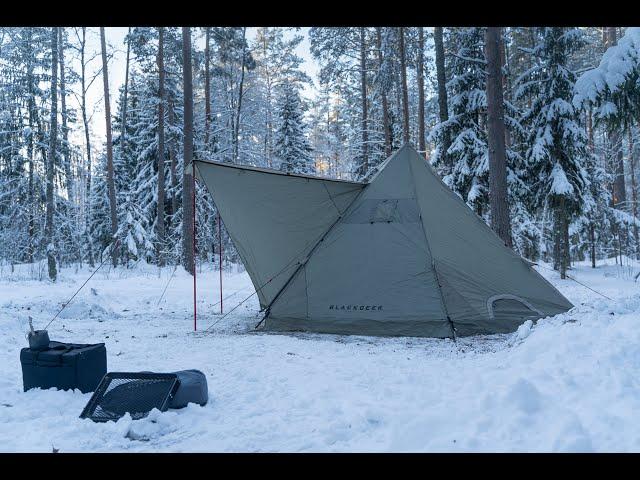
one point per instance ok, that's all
(398, 255)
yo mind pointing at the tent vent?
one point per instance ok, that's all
(511, 307)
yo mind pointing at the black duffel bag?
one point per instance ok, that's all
(64, 366)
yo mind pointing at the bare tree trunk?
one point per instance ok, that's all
(592, 239)
(50, 163)
(561, 244)
(590, 142)
(405, 93)
(634, 199)
(65, 130)
(566, 253)
(561, 257)
(85, 123)
(619, 190)
(500, 222)
(442, 87)
(207, 88)
(187, 180)
(236, 132)
(592, 228)
(30, 152)
(363, 168)
(173, 164)
(160, 203)
(110, 177)
(123, 123)
(421, 130)
(557, 247)
(385, 104)
(268, 120)
(506, 85)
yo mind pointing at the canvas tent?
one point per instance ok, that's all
(398, 255)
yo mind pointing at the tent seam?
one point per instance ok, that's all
(433, 260)
(331, 198)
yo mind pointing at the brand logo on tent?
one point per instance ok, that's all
(355, 307)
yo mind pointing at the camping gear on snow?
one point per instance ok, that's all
(192, 388)
(130, 392)
(137, 393)
(398, 255)
(64, 366)
(38, 339)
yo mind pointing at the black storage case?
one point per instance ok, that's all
(64, 366)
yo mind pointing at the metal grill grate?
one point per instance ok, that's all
(130, 392)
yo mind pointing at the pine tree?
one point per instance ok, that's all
(467, 170)
(557, 141)
(51, 158)
(277, 63)
(291, 147)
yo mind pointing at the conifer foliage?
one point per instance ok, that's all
(570, 121)
(291, 146)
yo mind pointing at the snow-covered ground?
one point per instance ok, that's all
(569, 383)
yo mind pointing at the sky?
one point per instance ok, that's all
(115, 43)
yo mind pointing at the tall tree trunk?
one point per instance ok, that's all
(443, 106)
(619, 190)
(30, 152)
(405, 93)
(383, 93)
(173, 160)
(592, 227)
(592, 239)
(85, 123)
(268, 120)
(65, 131)
(566, 252)
(160, 203)
(50, 163)
(187, 180)
(123, 123)
(421, 130)
(634, 199)
(500, 222)
(506, 84)
(207, 88)
(589, 121)
(236, 133)
(363, 168)
(110, 176)
(561, 257)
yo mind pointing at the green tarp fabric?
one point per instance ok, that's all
(399, 255)
(274, 219)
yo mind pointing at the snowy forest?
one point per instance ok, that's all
(536, 129)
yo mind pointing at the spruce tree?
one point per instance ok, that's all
(291, 147)
(466, 171)
(556, 139)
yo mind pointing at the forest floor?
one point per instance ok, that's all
(569, 383)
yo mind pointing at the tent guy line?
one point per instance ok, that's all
(64, 305)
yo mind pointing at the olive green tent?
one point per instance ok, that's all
(398, 255)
